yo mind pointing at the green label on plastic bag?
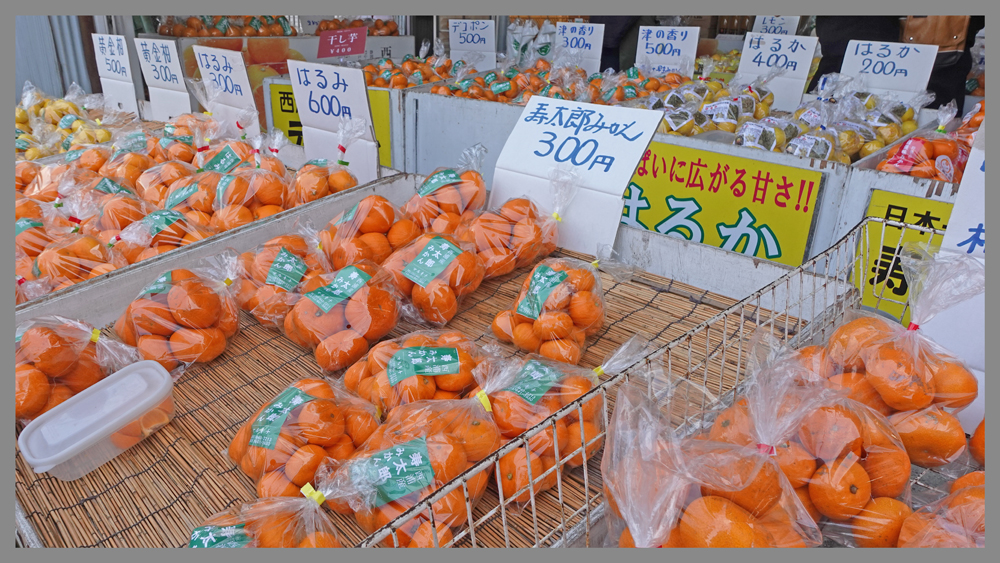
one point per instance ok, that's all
(437, 181)
(397, 471)
(159, 220)
(160, 285)
(67, 121)
(321, 162)
(510, 72)
(431, 261)
(632, 73)
(219, 536)
(224, 182)
(534, 380)
(133, 142)
(73, 155)
(111, 187)
(256, 23)
(286, 271)
(347, 282)
(490, 78)
(265, 428)
(180, 195)
(226, 160)
(630, 92)
(21, 145)
(348, 216)
(465, 84)
(67, 143)
(24, 224)
(34, 269)
(421, 360)
(543, 281)
(500, 87)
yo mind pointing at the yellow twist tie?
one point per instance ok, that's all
(312, 494)
(599, 370)
(95, 334)
(596, 263)
(557, 217)
(97, 121)
(208, 113)
(485, 400)
(319, 246)
(227, 281)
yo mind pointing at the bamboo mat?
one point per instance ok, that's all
(154, 494)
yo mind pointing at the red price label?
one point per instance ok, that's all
(342, 42)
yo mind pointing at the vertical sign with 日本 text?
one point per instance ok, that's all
(326, 95)
(341, 42)
(898, 69)
(602, 144)
(584, 38)
(776, 25)
(764, 52)
(224, 74)
(111, 54)
(161, 67)
(473, 38)
(667, 49)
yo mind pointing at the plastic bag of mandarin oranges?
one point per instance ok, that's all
(272, 274)
(153, 184)
(29, 289)
(311, 420)
(31, 234)
(269, 522)
(560, 304)
(177, 144)
(44, 187)
(371, 230)
(957, 520)
(24, 172)
(447, 193)
(421, 366)
(320, 178)
(518, 232)
(158, 232)
(57, 358)
(183, 316)
(129, 158)
(936, 155)
(91, 158)
(420, 447)
(75, 258)
(247, 194)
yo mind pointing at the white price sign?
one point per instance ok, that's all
(776, 25)
(603, 144)
(111, 54)
(902, 69)
(586, 38)
(325, 95)
(763, 52)
(666, 48)
(225, 75)
(473, 36)
(161, 68)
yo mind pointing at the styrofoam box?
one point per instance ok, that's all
(96, 425)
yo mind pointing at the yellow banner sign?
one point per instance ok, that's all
(885, 286)
(738, 204)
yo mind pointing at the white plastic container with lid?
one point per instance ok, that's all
(94, 426)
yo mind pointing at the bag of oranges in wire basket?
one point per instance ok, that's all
(421, 447)
(319, 178)
(371, 230)
(269, 522)
(285, 441)
(447, 193)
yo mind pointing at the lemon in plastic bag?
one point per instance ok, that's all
(890, 133)
(761, 110)
(842, 157)
(871, 147)
(908, 126)
(850, 142)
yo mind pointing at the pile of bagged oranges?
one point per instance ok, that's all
(375, 27)
(227, 26)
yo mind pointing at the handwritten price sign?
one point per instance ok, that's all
(111, 54)
(776, 25)
(225, 76)
(763, 52)
(890, 67)
(473, 36)
(667, 47)
(161, 67)
(602, 144)
(342, 42)
(587, 38)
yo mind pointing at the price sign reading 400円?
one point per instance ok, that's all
(737, 204)
(602, 144)
(667, 49)
(111, 54)
(161, 68)
(225, 75)
(764, 52)
(585, 38)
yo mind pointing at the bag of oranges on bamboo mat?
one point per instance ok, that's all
(319, 178)
(518, 232)
(57, 358)
(158, 232)
(184, 316)
(311, 420)
(269, 522)
(418, 449)
(371, 230)
(433, 274)
(957, 520)
(75, 258)
(447, 193)
(560, 304)
(421, 366)
(937, 155)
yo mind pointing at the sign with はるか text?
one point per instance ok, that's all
(224, 74)
(900, 69)
(764, 52)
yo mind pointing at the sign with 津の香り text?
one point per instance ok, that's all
(737, 204)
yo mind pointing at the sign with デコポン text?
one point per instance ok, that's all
(602, 144)
(585, 38)
(161, 67)
(902, 69)
(738, 204)
(324, 96)
(667, 49)
(473, 36)
(111, 55)
(224, 74)
(764, 52)
(341, 42)
(776, 25)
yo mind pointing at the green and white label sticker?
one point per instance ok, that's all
(386, 74)
(34, 268)
(347, 282)
(265, 429)
(226, 160)
(73, 155)
(534, 380)
(544, 75)
(632, 73)
(397, 471)
(18, 132)
(630, 92)
(160, 285)
(286, 271)
(543, 281)
(23, 224)
(168, 140)
(268, 20)
(417, 78)
(159, 220)
(21, 145)
(321, 162)
(286, 28)
(133, 142)
(224, 182)
(180, 195)
(67, 121)
(256, 23)
(595, 75)
(465, 84)
(510, 72)
(490, 78)
(431, 261)
(348, 215)
(421, 360)
(455, 67)
(437, 181)
(67, 143)
(219, 536)
(109, 186)
(500, 87)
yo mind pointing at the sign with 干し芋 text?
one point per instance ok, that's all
(667, 49)
(776, 25)
(764, 52)
(341, 42)
(161, 68)
(111, 54)
(585, 38)
(224, 74)
(737, 204)
(472, 40)
(898, 69)
(602, 144)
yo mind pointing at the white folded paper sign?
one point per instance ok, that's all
(552, 133)
(168, 104)
(362, 155)
(112, 58)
